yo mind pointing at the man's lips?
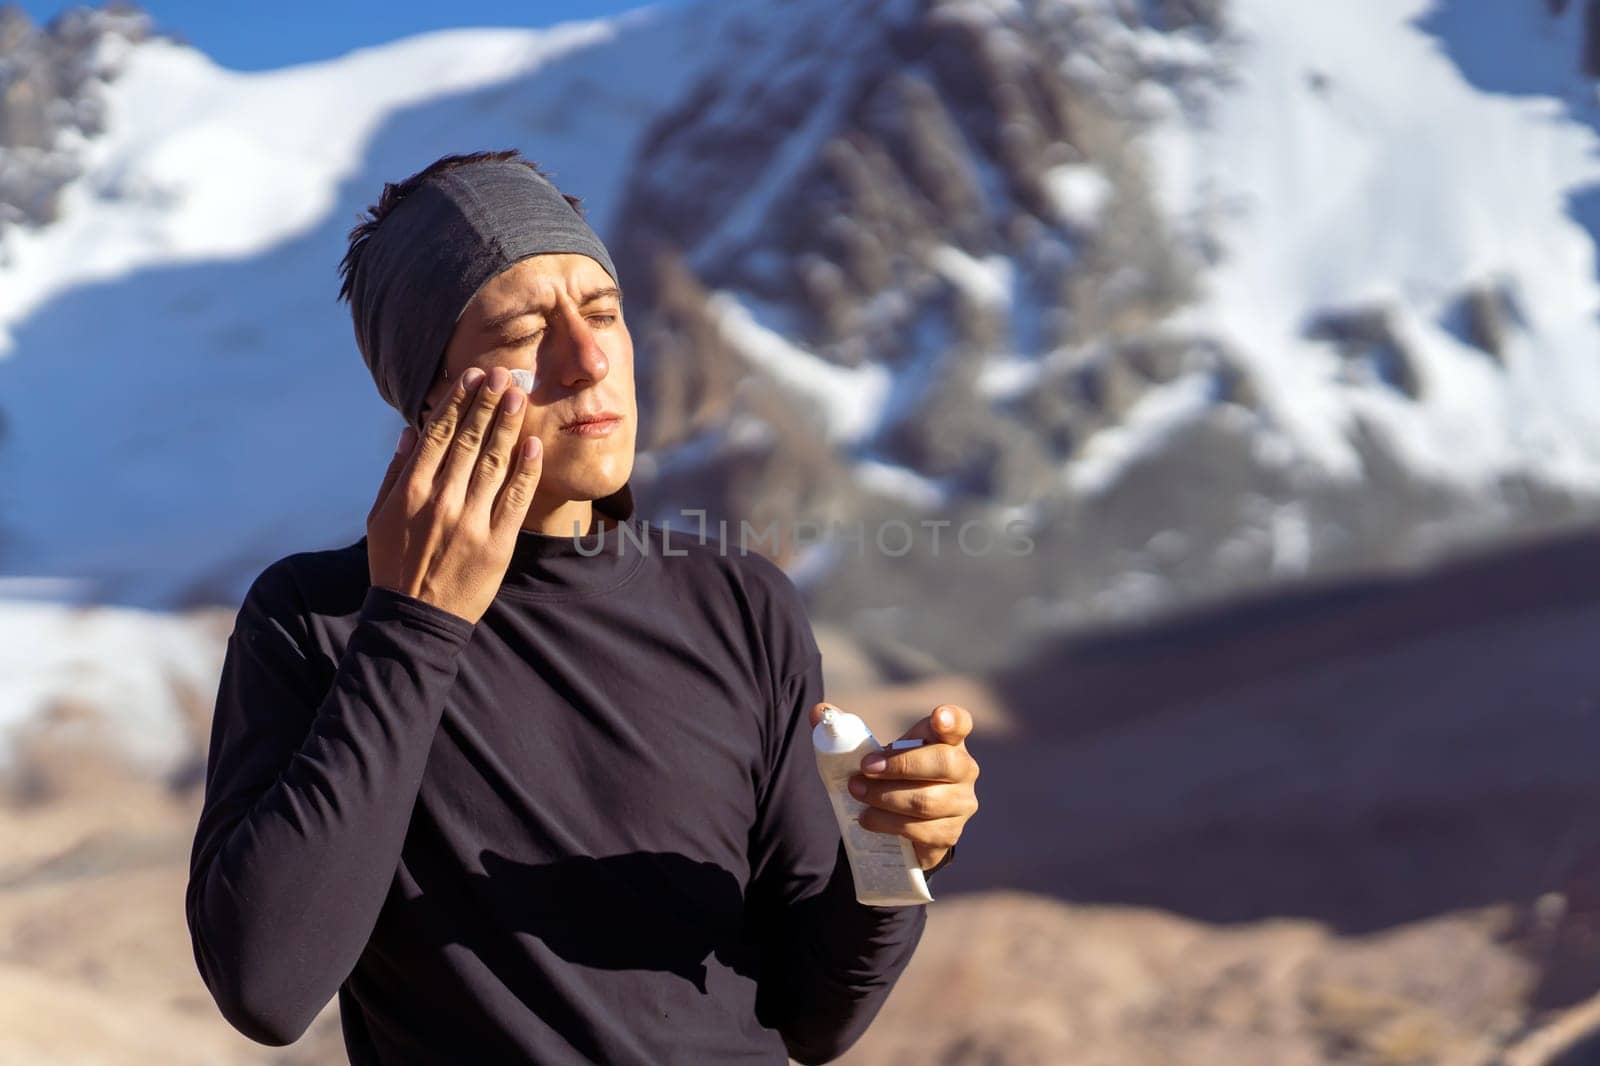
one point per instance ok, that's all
(599, 422)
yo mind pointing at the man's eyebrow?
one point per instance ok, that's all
(583, 301)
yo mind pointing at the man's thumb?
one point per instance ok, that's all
(952, 723)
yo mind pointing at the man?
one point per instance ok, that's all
(513, 794)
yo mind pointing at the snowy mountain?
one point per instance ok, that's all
(1199, 299)
(1212, 299)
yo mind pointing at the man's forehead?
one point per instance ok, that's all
(535, 282)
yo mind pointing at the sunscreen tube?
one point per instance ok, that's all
(523, 379)
(883, 865)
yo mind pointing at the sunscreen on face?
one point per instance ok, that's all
(523, 379)
(883, 865)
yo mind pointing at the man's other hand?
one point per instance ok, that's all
(926, 793)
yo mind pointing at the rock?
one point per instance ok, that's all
(1484, 315)
(1367, 338)
(50, 81)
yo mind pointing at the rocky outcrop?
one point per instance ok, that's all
(50, 99)
(926, 190)
(1484, 316)
(949, 202)
(1369, 342)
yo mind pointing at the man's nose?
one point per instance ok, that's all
(581, 359)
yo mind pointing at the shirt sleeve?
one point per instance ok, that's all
(830, 961)
(308, 797)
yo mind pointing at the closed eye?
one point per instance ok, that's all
(601, 321)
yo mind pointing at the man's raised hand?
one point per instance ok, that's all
(445, 522)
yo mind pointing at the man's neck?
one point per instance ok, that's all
(571, 518)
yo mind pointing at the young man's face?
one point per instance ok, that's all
(560, 317)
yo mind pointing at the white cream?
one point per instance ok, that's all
(524, 380)
(884, 865)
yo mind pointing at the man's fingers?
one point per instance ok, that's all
(929, 832)
(402, 454)
(948, 724)
(916, 799)
(441, 430)
(498, 459)
(942, 756)
(472, 433)
(931, 762)
(511, 506)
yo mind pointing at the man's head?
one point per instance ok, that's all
(478, 260)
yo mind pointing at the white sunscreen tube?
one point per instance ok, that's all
(883, 865)
(523, 379)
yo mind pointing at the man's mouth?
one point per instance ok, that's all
(595, 425)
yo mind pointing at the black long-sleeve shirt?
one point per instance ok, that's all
(587, 828)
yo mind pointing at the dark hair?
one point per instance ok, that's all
(395, 191)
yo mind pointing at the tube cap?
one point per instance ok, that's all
(839, 730)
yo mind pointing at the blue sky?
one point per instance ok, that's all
(259, 36)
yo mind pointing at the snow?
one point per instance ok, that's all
(1145, 427)
(901, 483)
(1006, 376)
(1291, 540)
(849, 400)
(766, 73)
(1078, 193)
(127, 668)
(1347, 161)
(741, 224)
(177, 122)
(987, 281)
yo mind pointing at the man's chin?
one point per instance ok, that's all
(608, 480)
(591, 487)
